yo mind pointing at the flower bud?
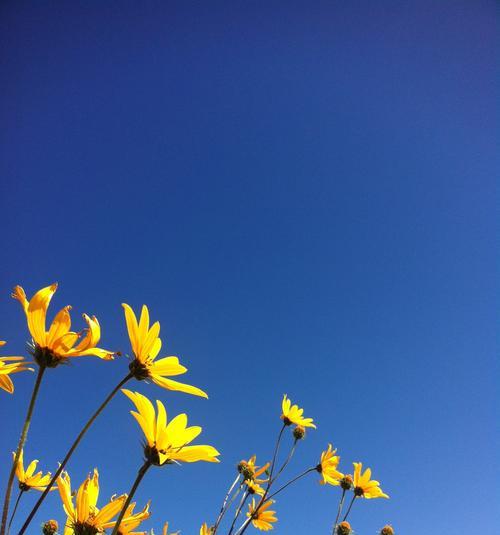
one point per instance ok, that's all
(387, 530)
(299, 432)
(245, 470)
(50, 527)
(346, 482)
(344, 528)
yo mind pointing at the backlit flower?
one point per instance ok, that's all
(253, 487)
(249, 470)
(364, 486)
(84, 518)
(327, 467)
(10, 365)
(205, 530)
(132, 520)
(291, 414)
(262, 518)
(58, 343)
(28, 479)
(168, 442)
(146, 345)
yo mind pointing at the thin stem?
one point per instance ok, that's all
(291, 481)
(350, 505)
(20, 446)
(339, 510)
(288, 459)
(142, 472)
(21, 492)
(71, 450)
(238, 510)
(225, 504)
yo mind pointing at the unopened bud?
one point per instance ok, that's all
(299, 432)
(344, 528)
(346, 482)
(387, 530)
(50, 527)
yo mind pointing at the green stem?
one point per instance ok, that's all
(21, 492)
(142, 472)
(71, 450)
(349, 509)
(339, 510)
(20, 446)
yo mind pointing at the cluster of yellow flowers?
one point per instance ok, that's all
(166, 441)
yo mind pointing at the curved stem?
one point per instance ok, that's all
(291, 481)
(339, 510)
(288, 459)
(238, 511)
(142, 472)
(20, 446)
(21, 492)
(225, 504)
(71, 450)
(349, 509)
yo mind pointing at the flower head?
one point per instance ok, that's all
(18, 364)
(327, 467)
(132, 520)
(84, 518)
(50, 527)
(205, 530)
(146, 345)
(291, 414)
(253, 487)
(344, 528)
(387, 530)
(27, 478)
(249, 470)
(364, 486)
(168, 442)
(262, 518)
(54, 346)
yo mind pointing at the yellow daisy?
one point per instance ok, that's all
(291, 414)
(132, 520)
(253, 487)
(249, 470)
(146, 345)
(58, 343)
(205, 530)
(167, 443)
(262, 519)
(364, 486)
(84, 517)
(18, 365)
(27, 478)
(327, 467)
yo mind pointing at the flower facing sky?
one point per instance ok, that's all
(84, 518)
(327, 467)
(146, 345)
(291, 414)
(58, 343)
(167, 442)
(10, 365)
(262, 519)
(364, 486)
(27, 478)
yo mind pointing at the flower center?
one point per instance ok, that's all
(45, 357)
(81, 528)
(358, 491)
(139, 370)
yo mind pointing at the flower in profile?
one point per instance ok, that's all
(27, 478)
(249, 470)
(84, 518)
(146, 345)
(132, 520)
(167, 443)
(291, 414)
(262, 518)
(50, 527)
(327, 467)
(364, 486)
(253, 487)
(387, 530)
(344, 528)
(54, 346)
(205, 530)
(165, 530)
(10, 365)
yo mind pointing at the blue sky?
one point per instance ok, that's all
(303, 195)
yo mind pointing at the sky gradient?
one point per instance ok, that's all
(303, 194)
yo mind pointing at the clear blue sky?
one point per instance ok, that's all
(303, 194)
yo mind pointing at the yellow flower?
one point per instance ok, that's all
(27, 478)
(293, 415)
(205, 530)
(253, 487)
(250, 470)
(146, 345)
(18, 365)
(58, 343)
(262, 519)
(84, 517)
(167, 442)
(131, 520)
(364, 486)
(327, 467)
